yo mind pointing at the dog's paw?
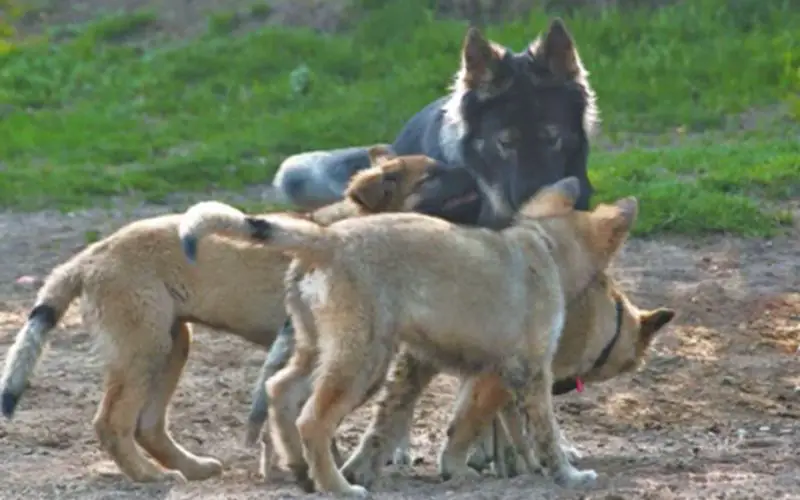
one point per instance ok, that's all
(401, 456)
(570, 477)
(172, 477)
(480, 459)
(302, 478)
(203, 468)
(359, 470)
(450, 469)
(516, 465)
(458, 474)
(354, 491)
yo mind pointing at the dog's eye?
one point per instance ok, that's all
(505, 140)
(551, 135)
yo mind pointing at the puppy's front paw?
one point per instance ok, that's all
(360, 470)
(301, 477)
(203, 468)
(172, 477)
(452, 469)
(356, 491)
(480, 459)
(570, 477)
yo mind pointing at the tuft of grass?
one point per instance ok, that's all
(222, 23)
(704, 187)
(117, 27)
(260, 10)
(90, 117)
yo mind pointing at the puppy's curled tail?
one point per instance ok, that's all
(280, 231)
(60, 288)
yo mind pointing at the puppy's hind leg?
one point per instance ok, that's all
(288, 390)
(139, 348)
(479, 399)
(391, 418)
(152, 433)
(343, 380)
(538, 402)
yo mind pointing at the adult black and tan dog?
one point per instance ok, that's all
(520, 120)
(516, 121)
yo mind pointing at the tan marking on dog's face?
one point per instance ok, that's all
(387, 186)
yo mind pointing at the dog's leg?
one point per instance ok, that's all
(277, 357)
(402, 452)
(344, 379)
(513, 460)
(139, 359)
(482, 454)
(391, 418)
(570, 448)
(288, 390)
(538, 402)
(479, 400)
(151, 431)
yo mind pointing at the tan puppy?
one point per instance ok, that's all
(139, 292)
(360, 288)
(604, 336)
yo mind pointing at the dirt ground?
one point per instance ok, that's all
(715, 414)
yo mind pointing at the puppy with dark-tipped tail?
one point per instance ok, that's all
(141, 295)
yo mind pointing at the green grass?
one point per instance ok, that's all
(704, 187)
(98, 115)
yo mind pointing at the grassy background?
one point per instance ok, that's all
(692, 95)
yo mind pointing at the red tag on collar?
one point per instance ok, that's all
(579, 384)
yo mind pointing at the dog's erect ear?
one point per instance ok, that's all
(652, 321)
(374, 189)
(613, 223)
(557, 50)
(380, 153)
(480, 59)
(554, 200)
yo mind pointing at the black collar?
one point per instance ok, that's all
(570, 384)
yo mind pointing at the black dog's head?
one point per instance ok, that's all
(521, 120)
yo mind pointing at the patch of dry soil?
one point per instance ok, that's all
(713, 415)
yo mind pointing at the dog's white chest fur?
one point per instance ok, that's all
(314, 287)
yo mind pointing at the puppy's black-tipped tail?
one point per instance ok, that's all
(213, 217)
(59, 290)
(279, 231)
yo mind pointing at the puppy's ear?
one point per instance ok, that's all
(554, 200)
(480, 61)
(415, 168)
(650, 322)
(557, 52)
(373, 189)
(613, 223)
(380, 153)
